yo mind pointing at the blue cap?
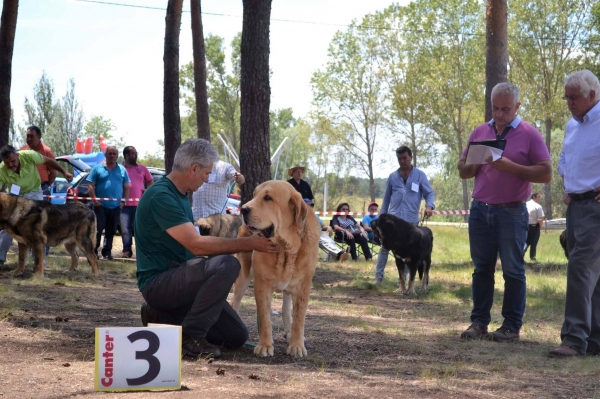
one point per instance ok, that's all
(307, 201)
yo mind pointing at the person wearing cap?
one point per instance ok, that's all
(300, 185)
(326, 243)
(406, 188)
(370, 218)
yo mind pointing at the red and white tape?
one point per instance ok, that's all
(454, 212)
(457, 212)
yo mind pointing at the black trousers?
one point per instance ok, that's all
(533, 236)
(194, 296)
(106, 219)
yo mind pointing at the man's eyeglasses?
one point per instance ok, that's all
(344, 209)
(573, 97)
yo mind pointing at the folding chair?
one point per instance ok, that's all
(344, 245)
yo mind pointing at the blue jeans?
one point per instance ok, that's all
(127, 220)
(499, 231)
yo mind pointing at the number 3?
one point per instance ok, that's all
(147, 355)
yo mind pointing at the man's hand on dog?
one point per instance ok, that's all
(262, 244)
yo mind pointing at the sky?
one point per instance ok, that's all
(114, 54)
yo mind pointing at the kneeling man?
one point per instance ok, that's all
(180, 285)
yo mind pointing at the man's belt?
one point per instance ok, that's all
(584, 196)
(514, 204)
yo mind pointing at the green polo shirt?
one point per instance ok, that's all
(161, 207)
(28, 177)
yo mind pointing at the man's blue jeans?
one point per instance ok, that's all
(127, 220)
(493, 231)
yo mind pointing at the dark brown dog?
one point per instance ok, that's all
(220, 225)
(40, 224)
(411, 245)
(563, 243)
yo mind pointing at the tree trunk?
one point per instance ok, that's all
(255, 159)
(172, 123)
(496, 55)
(200, 91)
(8, 26)
(548, 186)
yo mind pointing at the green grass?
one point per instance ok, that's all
(450, 285)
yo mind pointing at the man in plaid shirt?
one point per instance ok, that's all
(211, 197)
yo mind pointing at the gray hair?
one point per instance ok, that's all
(506, 88)
(586, 81)
(109, 147)
(193, 151)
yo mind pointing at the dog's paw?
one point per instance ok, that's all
(264, 350)
(296, 351)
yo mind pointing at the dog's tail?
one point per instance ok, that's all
(421, 269)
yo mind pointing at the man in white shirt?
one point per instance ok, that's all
(536, 217)
(211, 197)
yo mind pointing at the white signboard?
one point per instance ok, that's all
(138, 358)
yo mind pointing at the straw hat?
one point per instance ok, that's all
(292, 169)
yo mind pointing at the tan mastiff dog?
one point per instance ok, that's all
(278, 212)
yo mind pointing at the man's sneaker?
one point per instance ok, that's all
(377, 281)
(343, 257)
(474, 331)
(127, 254)
(199, 347)
(503, 334)
(149, 315)
(107, 257)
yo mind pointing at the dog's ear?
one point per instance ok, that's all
(300, 211)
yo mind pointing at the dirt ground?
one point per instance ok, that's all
(362, 343)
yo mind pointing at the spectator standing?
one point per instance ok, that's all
(300, 185)
(108, 180)
(140, 180)
(33, 138)
(406, 188)
(498, 215)
(211, 197)
(536, 218)
(579, 165)
(18, 171)
(180, 276)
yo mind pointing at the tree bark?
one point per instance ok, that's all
(255, 159)
(496, 55)
(8, 27)
(172, 123)
(202, 118)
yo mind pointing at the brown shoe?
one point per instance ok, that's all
(564, 351)
(149, 315)
(503, 334)
(474, 332)
(199, 347)
(343, 257)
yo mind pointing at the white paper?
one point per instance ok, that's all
(479, 154)
(415, 187)
(14, 189)
(212, 177)
(197, 230)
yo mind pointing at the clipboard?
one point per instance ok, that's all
(480, 151)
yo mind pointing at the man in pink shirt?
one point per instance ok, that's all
(141, 179)
(498, 218)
